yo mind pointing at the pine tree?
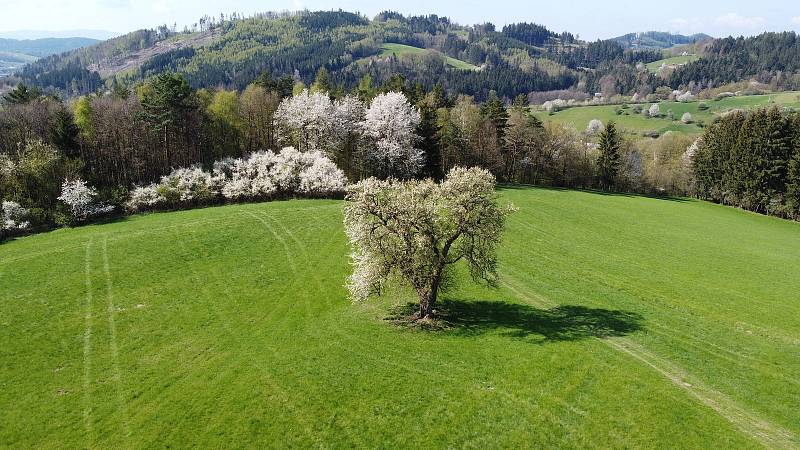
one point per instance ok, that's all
(322, 82)
(609, 159)
(793, 175)
(495, 111)
(64, 133)
(22, 95)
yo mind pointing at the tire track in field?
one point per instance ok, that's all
(289, 259)
(766, 367)
(302, 249)
(766, 433)
(87, 348)
(112, 327)
(689, 338)
(280, 391)
(399, 356)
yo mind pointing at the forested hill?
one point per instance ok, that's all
(431, 50)
(769, 57)
(233, 51)
(658, 39)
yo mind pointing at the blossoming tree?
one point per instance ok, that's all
(390, 125)
(419, 229)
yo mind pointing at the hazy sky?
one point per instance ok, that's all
(591, 19)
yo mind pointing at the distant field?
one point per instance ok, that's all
(621, 322)
(655, 65)
(12, 61)
(400, 49)
(637, 123)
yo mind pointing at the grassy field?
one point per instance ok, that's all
(621, 321)
(580, 117)
(400, 50)
(673, 60)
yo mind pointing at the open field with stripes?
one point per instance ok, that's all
(621, 321)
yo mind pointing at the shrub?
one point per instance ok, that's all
(261, 175)
(246, 178)
(594, 127)
(79, 199)
(187, 185)
(686, 118)
(322, 177)
(143, 197)
(12, 218)
(685, 97)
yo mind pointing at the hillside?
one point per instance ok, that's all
(517, 59)
(671, 63)
(15, 53)
(129, 335)
(580, 116)
(236, 50)
(658, 39)
(400, 50)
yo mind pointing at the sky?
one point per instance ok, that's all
(590, 19)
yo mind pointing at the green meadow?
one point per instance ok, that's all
(620, 322)
(580, 116)
(673, 60)
(401, 49)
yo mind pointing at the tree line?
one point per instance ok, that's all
(135, 137)
(233, 51)
(752, 161)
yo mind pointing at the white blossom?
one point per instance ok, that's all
(248, 177)
(685, 97)
(13, 216)
(187, 184)
(389, 124)
(307, 120)
(142, 197)
(80, 199)
(686, 118)
(654, 110)
(594, 127)
(322, 177)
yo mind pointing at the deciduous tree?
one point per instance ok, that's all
(417, 230)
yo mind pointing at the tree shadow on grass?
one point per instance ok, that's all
(561, 323)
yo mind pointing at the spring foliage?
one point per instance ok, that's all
(80, 199)
(12, 218)
(416, 230)
(259, 176)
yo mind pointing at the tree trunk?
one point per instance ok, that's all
(425, 308)
(427, 299)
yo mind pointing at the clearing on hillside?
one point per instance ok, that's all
(401, 49)
(633, 122)
(621, 321)
(672, 62)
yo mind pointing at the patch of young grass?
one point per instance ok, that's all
(401, 49)
(621, 321)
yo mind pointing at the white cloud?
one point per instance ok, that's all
(686, 25)
(738, 21)
(796, 20)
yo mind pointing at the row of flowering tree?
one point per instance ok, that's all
(365, 140)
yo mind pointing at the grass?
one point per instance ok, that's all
(621, 321)
(580, 116)
(401, 49)
(674, 60)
